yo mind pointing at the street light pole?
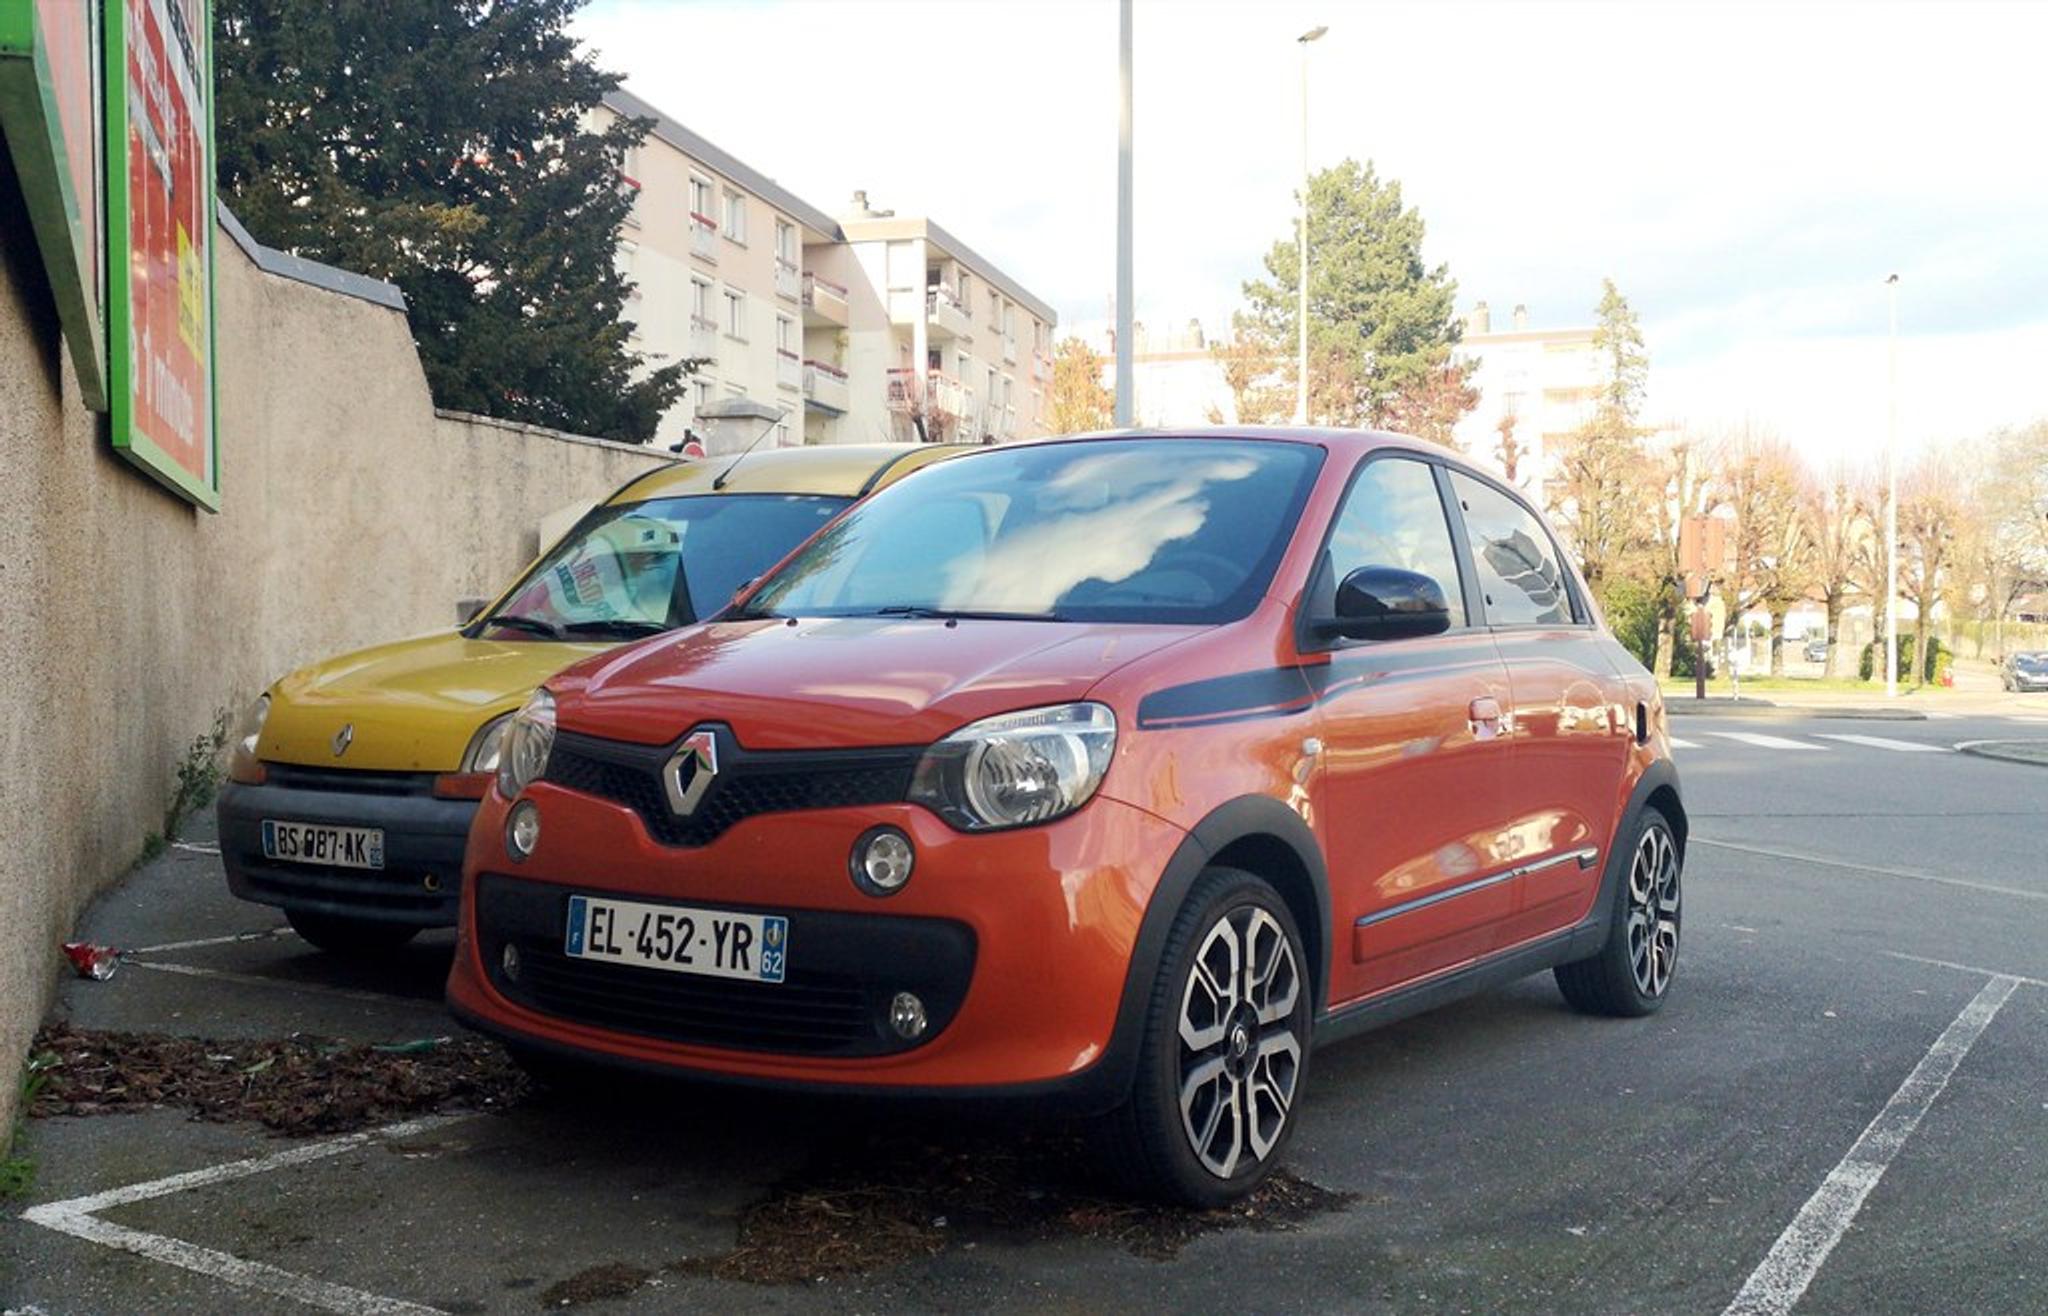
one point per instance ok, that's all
(1301, 243)
(1891, 508)
(1125, 371)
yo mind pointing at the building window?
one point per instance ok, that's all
(735, 313)
(964, 364)
(782, 428)
(700, 199)
(785, 332)
(704, 386)
(700, 301)
(735, 216)
(967, 297)
(785, 242)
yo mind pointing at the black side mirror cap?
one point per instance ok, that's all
(1387, 603)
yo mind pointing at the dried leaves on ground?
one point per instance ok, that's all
(896, 1200)
(297, 1085)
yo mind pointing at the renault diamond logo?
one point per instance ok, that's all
(344, 738)
(688, 774)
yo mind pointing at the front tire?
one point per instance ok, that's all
(1223, 1058)
(1631, 973)
(338, 935)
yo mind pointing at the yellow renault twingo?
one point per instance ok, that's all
(353, 781)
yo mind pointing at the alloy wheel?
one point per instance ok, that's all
(1240, 1057)
(1653, 911)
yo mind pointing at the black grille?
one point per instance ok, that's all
(844, 969)
(295, 776)
(749, 783)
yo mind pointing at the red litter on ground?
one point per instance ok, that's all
(92, 961)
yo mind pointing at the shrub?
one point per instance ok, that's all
(1942, 660)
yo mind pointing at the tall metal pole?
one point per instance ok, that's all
(1125, 381)
(1301, 245)
(1891, 509)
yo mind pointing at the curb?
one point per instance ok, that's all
(2034, 752)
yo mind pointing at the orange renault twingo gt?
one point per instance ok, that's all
(1114, 772)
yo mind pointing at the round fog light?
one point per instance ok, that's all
(522, 829)
(882, 860)
(509, 962)
(906, 1016)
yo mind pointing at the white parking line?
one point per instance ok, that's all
(314, 988)
(208, 941)
(1967, 968)
(1879, 742)
(1676, 743)
(1777, 1284)
(77, 1217)
(1911, 874)
(1762, 741)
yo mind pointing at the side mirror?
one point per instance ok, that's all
(1387, 603)
(467, 609)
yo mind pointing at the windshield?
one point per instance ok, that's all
(1146, 530)
(637, 568)
(2031, 661)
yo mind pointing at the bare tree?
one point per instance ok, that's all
(1678, 484)
(1762, 483)
(1840, 525)
(1929, 515)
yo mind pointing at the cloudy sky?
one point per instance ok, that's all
(1748, 174)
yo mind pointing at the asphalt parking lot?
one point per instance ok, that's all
(1843, 1108)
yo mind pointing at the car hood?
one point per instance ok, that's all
(411, 706)
(843, 681)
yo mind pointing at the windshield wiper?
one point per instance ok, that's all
(957, 614)
(615, 626)
(513, 621)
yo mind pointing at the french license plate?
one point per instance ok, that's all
(716, 943)
(318, 843)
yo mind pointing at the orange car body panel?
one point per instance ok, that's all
(1409, 798)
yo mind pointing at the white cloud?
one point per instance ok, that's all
(1747, 173)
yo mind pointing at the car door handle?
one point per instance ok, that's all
(1488, 721)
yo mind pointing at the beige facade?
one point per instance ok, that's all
(1547, 379)
(826, 318)
(351, 512)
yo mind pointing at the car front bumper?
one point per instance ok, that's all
(1018, 942)
(421, 881)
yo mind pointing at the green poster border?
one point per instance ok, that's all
(131, 443)
(64, 232)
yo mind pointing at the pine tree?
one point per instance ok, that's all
(445, 145)
(1380, 321)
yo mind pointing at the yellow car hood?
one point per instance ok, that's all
(411, 706)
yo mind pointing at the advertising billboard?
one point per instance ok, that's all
(160, 235)
(51, 111)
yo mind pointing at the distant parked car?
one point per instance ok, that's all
(2025, 671)
(1817, 649)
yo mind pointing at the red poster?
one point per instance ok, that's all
(161, 227)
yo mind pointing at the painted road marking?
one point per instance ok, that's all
(1762, 741)
(1777, 1284)
(315, 988)
(78, 1217)
(1879, 742)
(209, 941)
(1912, 874)
(195, 847)
(1676, 743)
(1967, 968)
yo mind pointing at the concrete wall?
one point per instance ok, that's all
(351, 513)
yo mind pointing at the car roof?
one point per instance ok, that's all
(1339, 440)
(849, 469)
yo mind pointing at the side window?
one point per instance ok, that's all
(1515, 557)
(1393, 518)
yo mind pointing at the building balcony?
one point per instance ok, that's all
(703, 237)
(789, 370)
(945, 317)
(824, 304)
(941, 394)
(825, 388)
(703, 338)
(788, 280)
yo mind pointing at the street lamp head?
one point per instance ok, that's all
(1313, 34)
(1892, 279)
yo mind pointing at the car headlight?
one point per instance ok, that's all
(243, 765)
(523, 755)
(486, 747)
(1017, 768)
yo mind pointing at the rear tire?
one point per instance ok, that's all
(1223, 1056)
(1631, 973)
(349, 936)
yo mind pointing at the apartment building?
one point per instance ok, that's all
(1546, 379)
(826, 319)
